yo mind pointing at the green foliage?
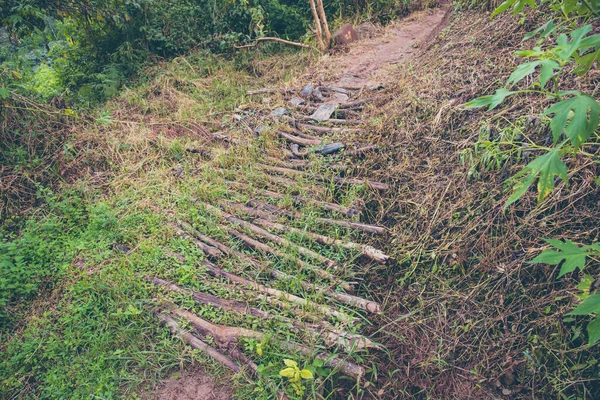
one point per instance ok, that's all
(546, 167)
(575, 114)
(295, 376)
(491, 101)
(574, 257)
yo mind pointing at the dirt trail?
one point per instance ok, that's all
(366, 63)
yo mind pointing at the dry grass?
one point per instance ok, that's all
(465, 316)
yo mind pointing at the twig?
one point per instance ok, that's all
(273, 39)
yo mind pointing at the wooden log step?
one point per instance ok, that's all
(274, 238)
(348, 299)
(214, 270)
(277, 211)
(366, 250)
(230, 334)
(321, 178)
(196, 343)
(299, 140)
(331, 335)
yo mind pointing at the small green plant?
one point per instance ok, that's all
(575, 114)
(573, 257)
(574, 120)
(295, 375)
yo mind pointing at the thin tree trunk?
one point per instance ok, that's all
(318, 30)
(324, 22)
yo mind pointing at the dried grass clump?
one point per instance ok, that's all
(40, 146)
(465, 316)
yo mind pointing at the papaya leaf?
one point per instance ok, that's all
(490, 100)
(566, 48)
(546, 71)
(522, 71)
(593, 330)
(546, 166)
(572, 256)
(572, 116)
(589, 305)
(546, 30)
(517, 6)
(584, 63)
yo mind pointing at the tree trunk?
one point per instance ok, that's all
(324, 22)
(318, 31)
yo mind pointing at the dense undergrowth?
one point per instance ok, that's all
(77, 313)
(473, 318)
(77, 53)
(465, 315)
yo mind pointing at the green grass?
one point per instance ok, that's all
(78, 317)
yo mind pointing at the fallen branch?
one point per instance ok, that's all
(296, 151)
(216, 271)
(363, 150)
(327, 129)
(197, 343)
(366, 250)
(225, 335)
(299, 140)
(328, 333)
(273, 39)
(356, 103)
(373, 229)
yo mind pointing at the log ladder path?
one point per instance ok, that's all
(305, 131)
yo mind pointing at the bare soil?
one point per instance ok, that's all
(195, 384)
(366, 61)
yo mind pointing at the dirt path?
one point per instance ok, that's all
(365, 64)
(367, 61)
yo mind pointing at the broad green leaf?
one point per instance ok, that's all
(578, 116)
(287, 372)
(290, 363)
(517, 6)
(547, 29)
(567, 48)
(546, 71)
(593, 330)
(589, 305)
(590, 42)
(4, 93)
(522, 71)
(584, 63)
(490, 100)
(546, 166)
(572, 256)
(306, 374)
